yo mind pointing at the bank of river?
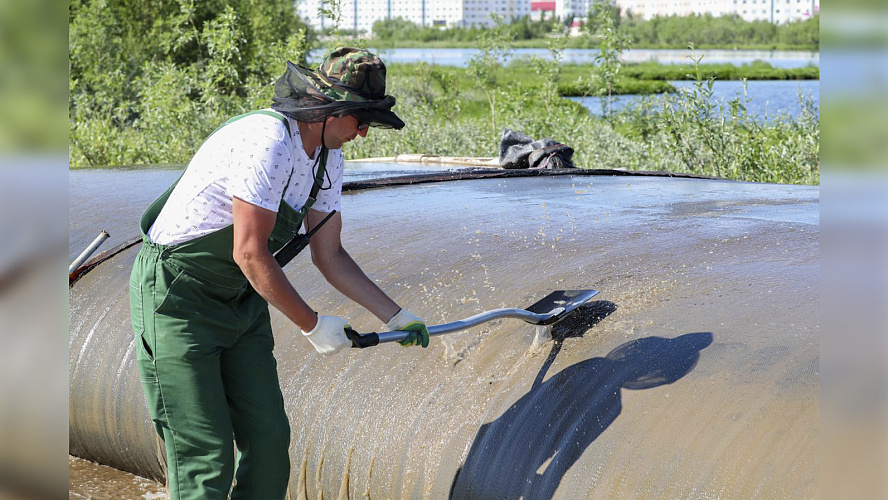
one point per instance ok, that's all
(460, 56)
(768, 99)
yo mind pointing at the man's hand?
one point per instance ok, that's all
(328, 336)
(419, 333)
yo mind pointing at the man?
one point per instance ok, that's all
(202, 282)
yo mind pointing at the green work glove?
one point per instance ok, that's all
(419, 333)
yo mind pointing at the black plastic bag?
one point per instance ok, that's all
(518, 150)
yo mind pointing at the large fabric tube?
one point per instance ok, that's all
(693, 374)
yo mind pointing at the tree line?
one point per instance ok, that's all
(148, 80)
(721, 31)
(674, 31)
(400, 29)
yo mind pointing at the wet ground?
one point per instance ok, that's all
(694, 373)
(91, 481)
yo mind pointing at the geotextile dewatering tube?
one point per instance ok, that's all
(695, 378)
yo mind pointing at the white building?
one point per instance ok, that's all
(561, 9)
(571, 8)
(477, 12)
(647, 9)
(775, 11)
(360, 15)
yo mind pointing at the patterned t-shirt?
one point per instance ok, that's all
(252, 159)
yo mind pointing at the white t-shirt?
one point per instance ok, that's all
(251, 158)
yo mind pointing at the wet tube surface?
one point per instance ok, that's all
(693, 374)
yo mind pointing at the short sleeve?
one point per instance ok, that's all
(261, 164)
(328, 200)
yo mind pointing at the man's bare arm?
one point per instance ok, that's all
(252, 227)
(341, 271)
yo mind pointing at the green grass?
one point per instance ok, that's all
(758, 70)
(581, 88)
(448, 113)
(576, 79)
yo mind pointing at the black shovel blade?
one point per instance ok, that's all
(559, 304)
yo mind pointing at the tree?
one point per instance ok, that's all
(148, 73)
(603, 25)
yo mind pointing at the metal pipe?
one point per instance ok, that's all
(472, 321)
(89, 251)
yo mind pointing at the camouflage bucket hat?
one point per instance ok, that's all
(359, 73)
(349, 81)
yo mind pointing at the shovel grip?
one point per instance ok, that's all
(361, 341)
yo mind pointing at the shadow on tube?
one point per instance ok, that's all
(525, 452)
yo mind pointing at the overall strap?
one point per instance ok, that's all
(150, 215)
(274, 114)
(298, 242)
(319, 177)
(318, 180)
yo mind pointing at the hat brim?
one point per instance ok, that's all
(378, 118)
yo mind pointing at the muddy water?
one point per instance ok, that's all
(694, 374)
(91, 481)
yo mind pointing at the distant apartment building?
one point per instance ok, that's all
(565, 9)
(359, 15)
(647, 9)
(775, 11)
(539, 10)
(562, 9)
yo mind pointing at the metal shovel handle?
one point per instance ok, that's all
(550, 310)
(371, 339)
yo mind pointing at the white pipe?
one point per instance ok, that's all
(89, 251)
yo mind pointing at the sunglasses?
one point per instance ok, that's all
(362, 125)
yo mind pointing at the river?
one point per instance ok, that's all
(461, 56)
(768, 99)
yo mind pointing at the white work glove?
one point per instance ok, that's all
(419, 333)
(328, 336)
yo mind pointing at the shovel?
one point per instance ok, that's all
(548, 311)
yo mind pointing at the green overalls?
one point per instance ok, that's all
(204, 352)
